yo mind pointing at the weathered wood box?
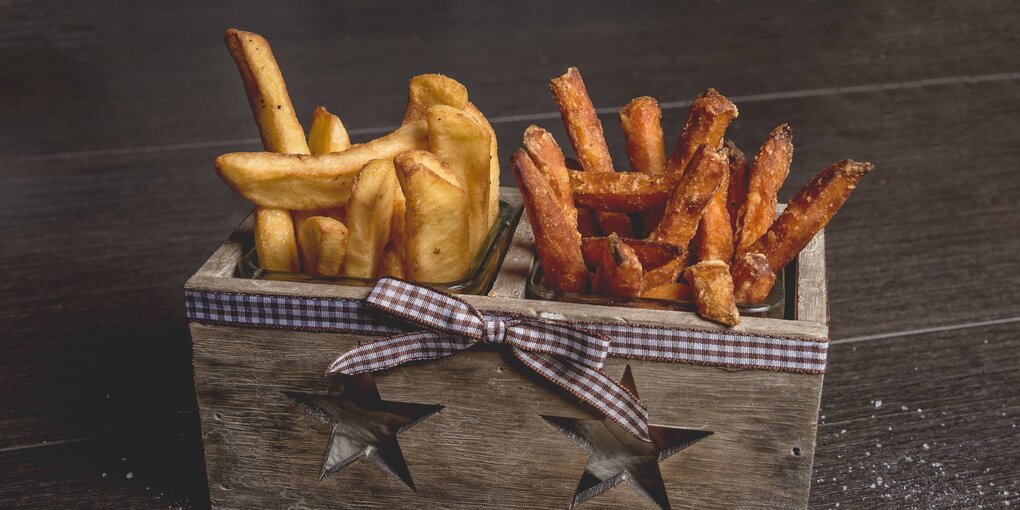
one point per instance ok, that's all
(489, 445)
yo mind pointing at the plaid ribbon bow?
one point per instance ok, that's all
(569, 357)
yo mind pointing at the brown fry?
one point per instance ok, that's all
(327, 133)
(737, 185)
(427, 90)
(615, 223)
(642, 126)
(690, 197)
(715, 233)
(670, 291)
(771, 166)
(667, 273)
(323, 245)
(707, 119)
(650, 253)
(752, 278)
(620, 272)
(620, 191)
(564, 267)
(713, 291)
(587, 223)
(546, 154)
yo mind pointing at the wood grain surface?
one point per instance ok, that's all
(113, 115)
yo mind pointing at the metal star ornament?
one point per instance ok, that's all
(618, 456)
(364, 425)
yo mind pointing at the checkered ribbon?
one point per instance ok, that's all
(565, 355)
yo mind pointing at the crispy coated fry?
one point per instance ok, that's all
(463, 144)
(641, 121)
(275, 241)
(587, 223)
(475, 114)
(323, 245)
(393, 253)
(771, 166)
(690, 197)
(667, 273)
(670, 291)
(564, 267)
(713, 291)
(737, 184)
(427, 90)
(707, 119)
(370, 216)
(650, 253)
(327, 133)
(436, 219)
(293, 181)
(546, 154)
(620, 191)
(715, 233)
(620, 272)
(752, 278)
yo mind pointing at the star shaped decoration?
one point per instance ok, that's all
(364, 425)
(617, 456)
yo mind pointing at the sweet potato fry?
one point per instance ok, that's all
(620, 272)
(650, 253)
(292, 181)
(427, 90)
(641, 121)
(275, 240)
(323, 245)
(707, 119)
(752, 278)
(713, 291)
(771, 166)
(393, 253)
(670, 291)
(327, 133)
(463, 144)
(587, 223)
(715, 233)
(370, 216)
(436, 218)
(546, 154)
(667, 273)
(620, 191)
(737, 184)
(476, 114)
(690, 197)
(564, 267)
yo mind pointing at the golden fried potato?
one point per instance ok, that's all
(323, 245)
(393, 253)
(427, 90)
(327, 133)
(369, 217)
(475, 114)
(275, 241)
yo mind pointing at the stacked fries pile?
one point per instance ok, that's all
(699, 225)
(416, 203)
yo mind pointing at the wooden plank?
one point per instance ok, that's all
(512, 281)
(811, 286)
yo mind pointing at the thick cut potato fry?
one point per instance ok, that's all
(337, 213)
(667, 273)
(427, 90)
(620, 191)
(771, 166)
(463, 145)
(369, 217)
(327, 133)
(752, 278)
(707, 119)
(715, 233)
(292, 181)
(650, 253)
(620, 272)
(736, 192)
(275, 241)
(670, 292)
(713, 291)
(393, 253)
(546, 154)
(323, 245)
(690, 197)
(436, 219)
(641, 121)
(476, 114)
(561, 259)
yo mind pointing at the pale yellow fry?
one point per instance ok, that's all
(369, 216)
(274, 240)
(327, 133)
(476, 114)
(393, 254)
(322, 181)
(463, 144)
(436, 219)
(323, 245)
(427, 90)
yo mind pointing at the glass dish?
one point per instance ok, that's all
(773, 307)
(482, 271)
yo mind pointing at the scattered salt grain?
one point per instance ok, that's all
(878, 403)
(925, 446)
(130, 476)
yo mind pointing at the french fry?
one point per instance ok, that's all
(707, 119)
(473, 111)
(650, 253)
(713, 291)
(369, 217)
(620, 272)
(737, 185)
(427, 90)
(327, 133)
(546, 154)
(463, 144)
(323, 245)
(337, 213)
(436, 218)
(585, 132)
(280, 132)
(620, 191)
(291, 181)
(715, 232)
(641, 121)
(771, 166)
(690, 197)
(562, 261)
(275, 241)
(670, 292)
(752, 278)
(667, 273)
(393, 253)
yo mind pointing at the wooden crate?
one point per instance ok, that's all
(489, 446)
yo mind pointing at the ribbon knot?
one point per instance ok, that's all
(568, 356)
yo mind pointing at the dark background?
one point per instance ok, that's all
(112, 114)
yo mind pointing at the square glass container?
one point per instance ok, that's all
(481, 273)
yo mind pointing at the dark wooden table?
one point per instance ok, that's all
(113, 113)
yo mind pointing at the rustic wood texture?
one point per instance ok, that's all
(114, 115)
